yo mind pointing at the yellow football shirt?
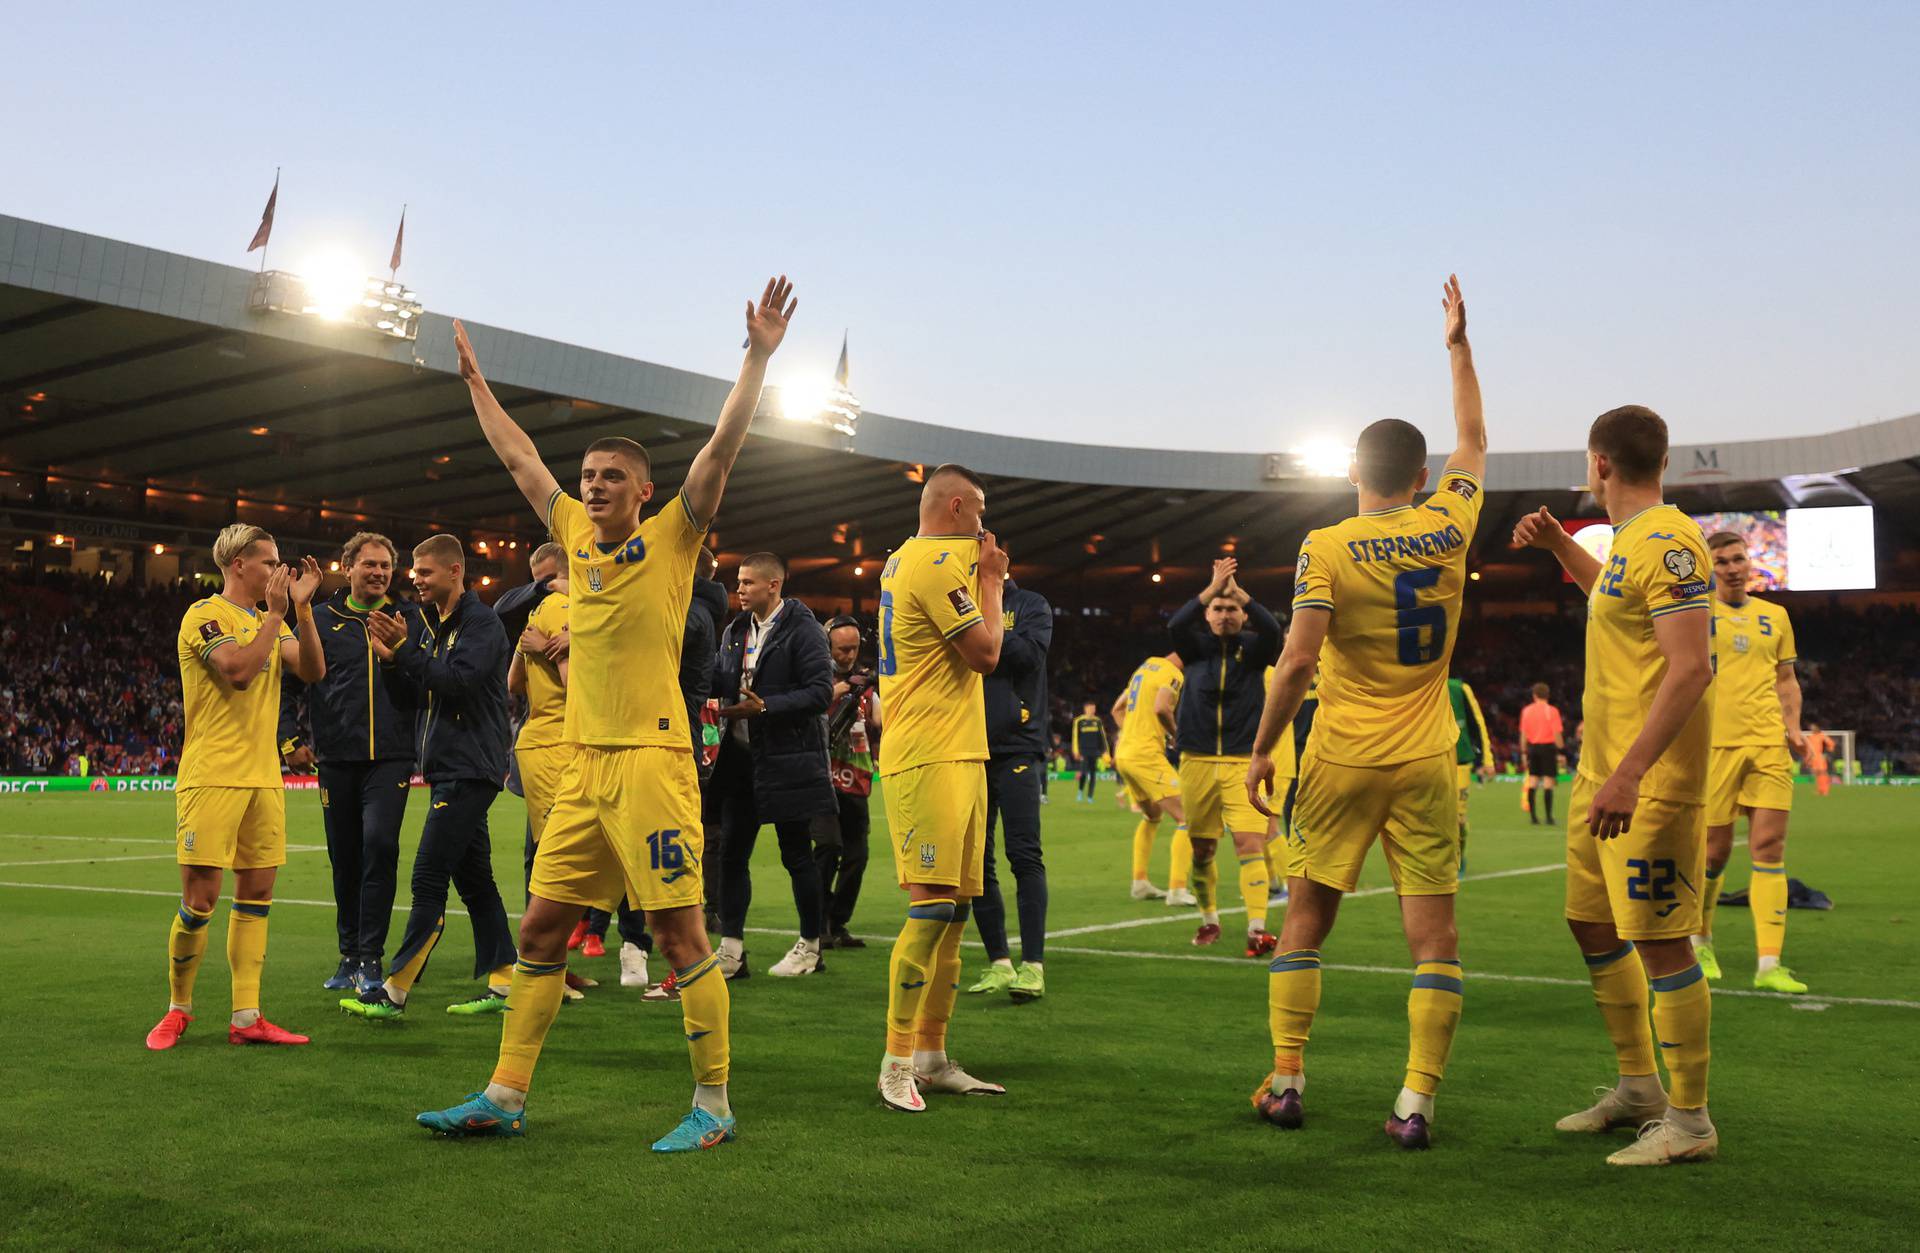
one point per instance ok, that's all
(1392, 580)
(936, 708)
(1140, 728)
(546, 722)
(232, 736)
(1750, 643)
(1658, 566)
(627, 608)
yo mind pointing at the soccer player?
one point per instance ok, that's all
(1542, 735)
(1227, 640)
(1089, 745)
(1819, 744)
(626, 816)
(1636, 830)
(941, 628)
(1145, 715)
(1376, 603)
(1472, 751)
(232, 807)
(1756, 718)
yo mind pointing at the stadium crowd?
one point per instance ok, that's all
(91, 673)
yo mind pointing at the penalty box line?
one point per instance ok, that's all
(1133, 954)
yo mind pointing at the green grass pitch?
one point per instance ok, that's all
(1127, 1124)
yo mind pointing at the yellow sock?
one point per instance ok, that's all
(1293, 996)
(1206, 883)
(1683, 1014)
(1620, 990)
(531, 1005)
(1710, 901)
(1253, 889)
(1180, 868)
(1143, 833)
(247, 951)
(186, 943)
(910, 967)
(706, 1012)
(1276, 854)
(1767, 898)
(943, 987)
(402, 977)
(500, 980)
(1433, 1013)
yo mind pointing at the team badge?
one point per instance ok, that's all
(187, 843)
(962, 603)
(927, 856)
(1007, 619)
(593, 579)
(1741, 643)
(1462, 488)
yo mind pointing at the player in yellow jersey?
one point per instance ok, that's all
(1756, 719)
(1144, 714)
(1636, 827)
(626, 814)
(1376, 603)
(941, 627)
(232, 807)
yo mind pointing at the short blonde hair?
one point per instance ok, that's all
(548, 551)
(443, 548)
(235, 540)
(350, 552)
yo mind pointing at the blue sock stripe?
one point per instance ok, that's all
(252, 909)
(699, 970)
(192, 921)
(1440, 961)
(962, 912)
(1441, 983)
(1715, 874)
(1597, 960)
(1301, 952)
(539, 969)
(1778, 867)
(1286, 962)
(1673, 983)
(931, 911)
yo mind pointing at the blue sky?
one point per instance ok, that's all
(1220, 227)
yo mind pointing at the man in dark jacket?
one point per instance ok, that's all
(453, 669)
(774, 680)
(1017, 742)
(363, 747)
(1227, 640)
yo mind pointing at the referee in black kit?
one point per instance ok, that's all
(1017, 745)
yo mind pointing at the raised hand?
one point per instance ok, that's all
(277, 583)
(385, 632)
(463, 349)
(304, 584)
(1455, 308)
(994, 562)
(766, 322)
(1223, 571)
(1539, 529)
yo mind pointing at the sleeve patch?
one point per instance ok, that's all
(1465, 489)
(1680, 564)
(962, 603)
(209, 632)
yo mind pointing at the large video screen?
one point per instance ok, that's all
(1802, 550)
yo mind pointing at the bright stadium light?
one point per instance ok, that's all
(818, 402)
(333, 287)
(1325, 458)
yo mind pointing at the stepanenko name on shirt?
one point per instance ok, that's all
(1388, 547)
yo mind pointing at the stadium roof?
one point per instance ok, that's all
(128, 366)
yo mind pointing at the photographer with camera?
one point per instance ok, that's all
(853, 733)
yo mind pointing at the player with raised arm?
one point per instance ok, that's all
(1375, 605)
(626, 813)
(941, 628)
(1756, 720)
(232, 806)
(1636, 827)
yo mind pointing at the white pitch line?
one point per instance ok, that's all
(90, 861)
(1138, 954)
(88, 839)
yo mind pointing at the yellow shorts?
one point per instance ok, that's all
(624, 822)
(1645, 881)
(1759, 776)
(1466, 788)
(235, 828)
(1213, 791)
(1411, 807)
(1148, 777)
(541, 770)
(937, 821)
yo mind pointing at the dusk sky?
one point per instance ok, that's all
(1183, 226)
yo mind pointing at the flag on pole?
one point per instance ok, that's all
(840, 371)
(399, 237)
(266, 217)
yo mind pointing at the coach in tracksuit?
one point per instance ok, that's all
(774, 680)
(452, 668)
(1227, 640)
(1018, 741)
(363, 747)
